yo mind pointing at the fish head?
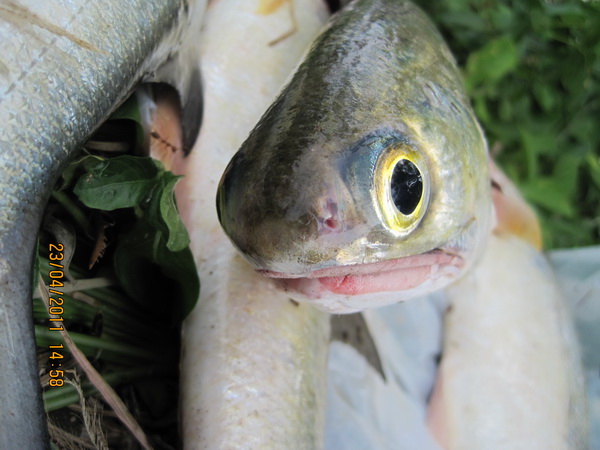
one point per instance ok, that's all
(366, 182)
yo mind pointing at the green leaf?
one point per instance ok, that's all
(178, 238)
(160, 210)
(73, 170)
(594, 168)
(563, 9)
(128, 110)
(481, 109)
(546, 96)
(131, 110)
(492, 62)
(549, 193)
(565, 173)
(536, 141)
(36, 264)
(503, 17)
(464, 19)
(121, 182)
(152, 260)
(165, 281)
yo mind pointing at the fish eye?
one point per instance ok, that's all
(406, 186)
(401, 188)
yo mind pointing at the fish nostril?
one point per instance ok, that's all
(331, 223)
(328, 218)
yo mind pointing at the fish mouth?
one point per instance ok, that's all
(395, 275)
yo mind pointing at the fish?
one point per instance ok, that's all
(253, 364)
(511, 374)
(65, 66)
(366, 181)
(510, 341)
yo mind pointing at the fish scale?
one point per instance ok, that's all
(64, 68)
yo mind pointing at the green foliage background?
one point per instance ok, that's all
(532, 70)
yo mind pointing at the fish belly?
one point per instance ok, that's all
(510, 376)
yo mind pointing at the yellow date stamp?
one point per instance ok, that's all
(56, 310)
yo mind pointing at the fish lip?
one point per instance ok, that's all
(433, 257)
(410, 274)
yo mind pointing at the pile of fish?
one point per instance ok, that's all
(365, 183)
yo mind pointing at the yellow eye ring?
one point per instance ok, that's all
(401, 183)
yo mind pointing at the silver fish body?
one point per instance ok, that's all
(64, 68)
(313, 196)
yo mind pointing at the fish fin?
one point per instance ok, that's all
(186, 80)
(513, 214)
(191, 111)
(352, 329)
(166, 128)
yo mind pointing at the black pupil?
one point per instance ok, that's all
(407, 186)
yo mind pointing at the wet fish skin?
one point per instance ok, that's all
(510, 375)
(253, 362)
(64, 68)
(379, 76)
